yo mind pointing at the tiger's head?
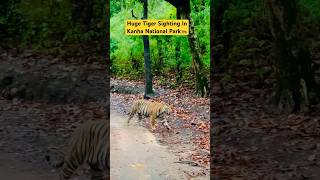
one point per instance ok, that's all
(162, 108)
(167, 109)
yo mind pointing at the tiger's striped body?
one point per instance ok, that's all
(151, 109)
(90, 144)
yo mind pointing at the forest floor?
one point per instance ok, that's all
(14, 169)
(136, 154)
(44, 98)
(254, 142)
(189, 136)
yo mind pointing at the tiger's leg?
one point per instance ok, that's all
(165, 122)
(96, 173)
(153, 121)
(69, 167)
(130, 116)
(139, 116)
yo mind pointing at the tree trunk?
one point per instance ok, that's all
(147, 60)
(201, 78)
(294, 76)
(218, 33)
(106, 51)
(212, 38)
(82, 13)
(213, 139)
(178, 51)
(159, 62)
(106, 12)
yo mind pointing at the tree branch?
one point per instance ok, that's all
(173, 2)
(133, 14)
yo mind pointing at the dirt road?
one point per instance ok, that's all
(136, 155)
(12, 169)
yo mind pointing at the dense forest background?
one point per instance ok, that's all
(180, 69)
(265, 89)
(51, 62)
(56, 27)
(252, 65)
(127, 53)
(245, 47)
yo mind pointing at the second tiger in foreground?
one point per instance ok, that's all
(90, 145)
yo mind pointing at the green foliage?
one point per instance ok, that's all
(310, 8)
(247, 23)
(50, 24)
(260, 72)
(202, 27)
(11, 20)
(127, 51)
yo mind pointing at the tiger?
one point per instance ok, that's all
(152, 109)
(89, 145)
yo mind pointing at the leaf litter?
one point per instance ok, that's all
(189, 120)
